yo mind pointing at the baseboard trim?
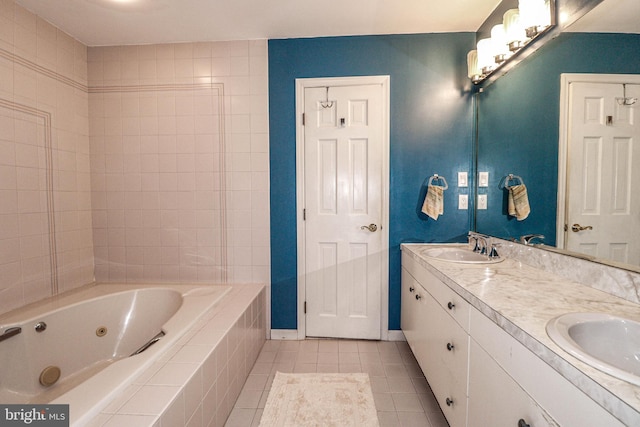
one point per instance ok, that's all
(284, 334)
(292, 335)
(395, 336)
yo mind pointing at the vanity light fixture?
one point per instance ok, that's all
(519, 27)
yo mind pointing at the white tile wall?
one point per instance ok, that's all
(179, 150)
(44, 160)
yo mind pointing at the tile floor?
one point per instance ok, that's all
(401, 393)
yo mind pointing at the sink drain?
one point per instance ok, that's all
(49, 376)
(101, 331)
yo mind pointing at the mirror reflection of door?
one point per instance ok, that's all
(603, 172)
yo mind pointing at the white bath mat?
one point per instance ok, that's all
(301, 400)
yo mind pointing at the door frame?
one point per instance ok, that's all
(563, 141)
(301, 85)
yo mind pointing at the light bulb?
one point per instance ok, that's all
(473, 71)
(486, 61)
(499, 40)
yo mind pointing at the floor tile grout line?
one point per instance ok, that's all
(403, 358)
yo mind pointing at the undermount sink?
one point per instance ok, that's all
(608, 343)
(459, 255)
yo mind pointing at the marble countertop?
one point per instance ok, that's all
(521, 300)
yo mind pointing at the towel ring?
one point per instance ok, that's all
(436, 177)
(505, 182)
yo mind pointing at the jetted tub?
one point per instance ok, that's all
(96, 339)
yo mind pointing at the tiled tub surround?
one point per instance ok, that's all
(521, 299)
(197, 381)
(158, 166)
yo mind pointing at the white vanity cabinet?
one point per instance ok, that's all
(481, 375)
(431, 313)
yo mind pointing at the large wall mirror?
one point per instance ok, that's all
(519, 120)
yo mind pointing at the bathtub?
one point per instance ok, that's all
(96, 339)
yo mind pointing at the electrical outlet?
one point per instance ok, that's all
(482, 201)
(463, 180)
(463, 201)
(483, 179)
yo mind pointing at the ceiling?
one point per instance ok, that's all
(122, 22)
(611, 16)
(125, 22)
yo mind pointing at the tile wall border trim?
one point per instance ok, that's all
(45, 116)
(17, 59)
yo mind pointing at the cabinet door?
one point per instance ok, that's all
(495, 399)
(413, 314)
(408, 311)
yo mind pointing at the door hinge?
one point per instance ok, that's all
(304, 214)
(305, 307)
(303, 119)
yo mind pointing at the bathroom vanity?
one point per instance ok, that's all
(478, 333)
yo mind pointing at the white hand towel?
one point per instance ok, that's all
(433, 204)
(519, 202)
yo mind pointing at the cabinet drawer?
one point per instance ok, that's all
(451, 302)
(452, 399)
(449, 344)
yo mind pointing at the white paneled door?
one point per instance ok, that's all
(603, 207)
(343, 187)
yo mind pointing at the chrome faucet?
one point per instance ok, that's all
(484, 250)
(483, 245)
(9, 332)
(476, 245)
(527, 238)
(493, 253)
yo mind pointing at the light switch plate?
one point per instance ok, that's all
(482, 201)
(463, 201)
(463, 180)
(483, 179)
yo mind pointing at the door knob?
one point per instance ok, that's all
(577, 227)
(370, 227)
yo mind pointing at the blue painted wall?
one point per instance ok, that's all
(431, 131)
(518, 124)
